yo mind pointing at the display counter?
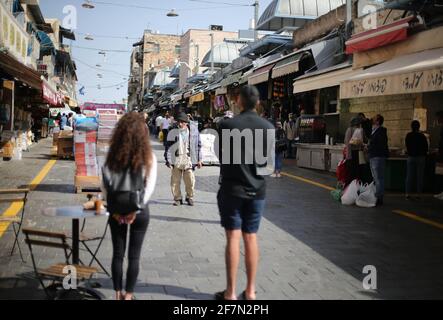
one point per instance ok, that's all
(319, 156)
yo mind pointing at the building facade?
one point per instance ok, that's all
(195, 44)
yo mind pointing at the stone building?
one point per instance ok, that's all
(195, 44)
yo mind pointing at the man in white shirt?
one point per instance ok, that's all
(158, 123)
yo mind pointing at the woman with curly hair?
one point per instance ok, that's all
(131, 157)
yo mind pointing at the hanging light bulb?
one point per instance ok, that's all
(88, 5)
(172, 13)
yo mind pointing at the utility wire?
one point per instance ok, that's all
(129, 5)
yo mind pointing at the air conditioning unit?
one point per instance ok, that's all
(215, 27)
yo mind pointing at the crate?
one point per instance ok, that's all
(65, 147)
(86, 184)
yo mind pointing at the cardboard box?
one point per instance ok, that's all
(55, 138)
(65, 147)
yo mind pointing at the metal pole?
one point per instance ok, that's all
(256, 13)
(212, 53)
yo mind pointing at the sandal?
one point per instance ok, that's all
(243, 296)
(220, 296)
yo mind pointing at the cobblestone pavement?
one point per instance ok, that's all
(311, 246)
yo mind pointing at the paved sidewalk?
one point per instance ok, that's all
(311, 246)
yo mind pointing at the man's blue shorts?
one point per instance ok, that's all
(238, 213)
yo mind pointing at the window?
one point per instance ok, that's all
(178, 49)
(156, 48)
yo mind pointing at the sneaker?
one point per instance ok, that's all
(273, 175)
(178, 203)
(190, 202)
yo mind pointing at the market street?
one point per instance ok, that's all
(311, 246)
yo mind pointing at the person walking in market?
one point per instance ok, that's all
(354, 141)
(242, 193)
(417, 148)
(291, 134)
(129, 178)
(183, 156)
(158, 124)
(378, 151)
(280, 148)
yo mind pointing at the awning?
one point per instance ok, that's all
(187, 94)
(176, 97)
(196, 98)
(412, 73)
(287, 66)
(260, 75)
(67, 33)
(220, 91)
(20, 71)
(46, 44)
(325, 78)
(387, 34)
(231, 79)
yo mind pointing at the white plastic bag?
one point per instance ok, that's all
(367, 198)
(350, 194)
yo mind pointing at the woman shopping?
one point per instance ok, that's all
(129, 178)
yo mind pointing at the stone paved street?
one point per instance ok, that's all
(311, 246)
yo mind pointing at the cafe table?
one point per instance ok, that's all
(75, 213)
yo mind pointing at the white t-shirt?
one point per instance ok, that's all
(158, 121)
(165, 123)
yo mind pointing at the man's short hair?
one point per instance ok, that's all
(415, 125)
(379, 118)
(249, 96)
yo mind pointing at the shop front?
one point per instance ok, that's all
(406, 88)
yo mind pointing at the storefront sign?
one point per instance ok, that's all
(52, 97)
(414, 82)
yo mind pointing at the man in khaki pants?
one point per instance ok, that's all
(183, 156)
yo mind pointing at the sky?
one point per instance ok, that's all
(116, 24)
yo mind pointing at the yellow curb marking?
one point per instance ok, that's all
(17, 206)
(400, 212)
(419, 219)
(317, 184)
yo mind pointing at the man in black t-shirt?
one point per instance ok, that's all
(241, 198)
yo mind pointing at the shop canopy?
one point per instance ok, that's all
(288, 65)
(267, 44)
(46, 44)
(232, 79)
(382, 36)
(19, 71)
(281, 14)
(412, 73)
(325, 78)
(260, 75)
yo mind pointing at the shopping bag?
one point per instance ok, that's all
(160, 136)
(367, 198)
(337, 194)
(351, 193)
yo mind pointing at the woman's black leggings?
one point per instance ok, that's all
(137, 233)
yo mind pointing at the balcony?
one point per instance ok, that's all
(13, 36)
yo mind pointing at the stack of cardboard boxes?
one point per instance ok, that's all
(107, 121)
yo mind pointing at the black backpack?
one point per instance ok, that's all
(125, 191)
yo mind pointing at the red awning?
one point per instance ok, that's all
(387, 34)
